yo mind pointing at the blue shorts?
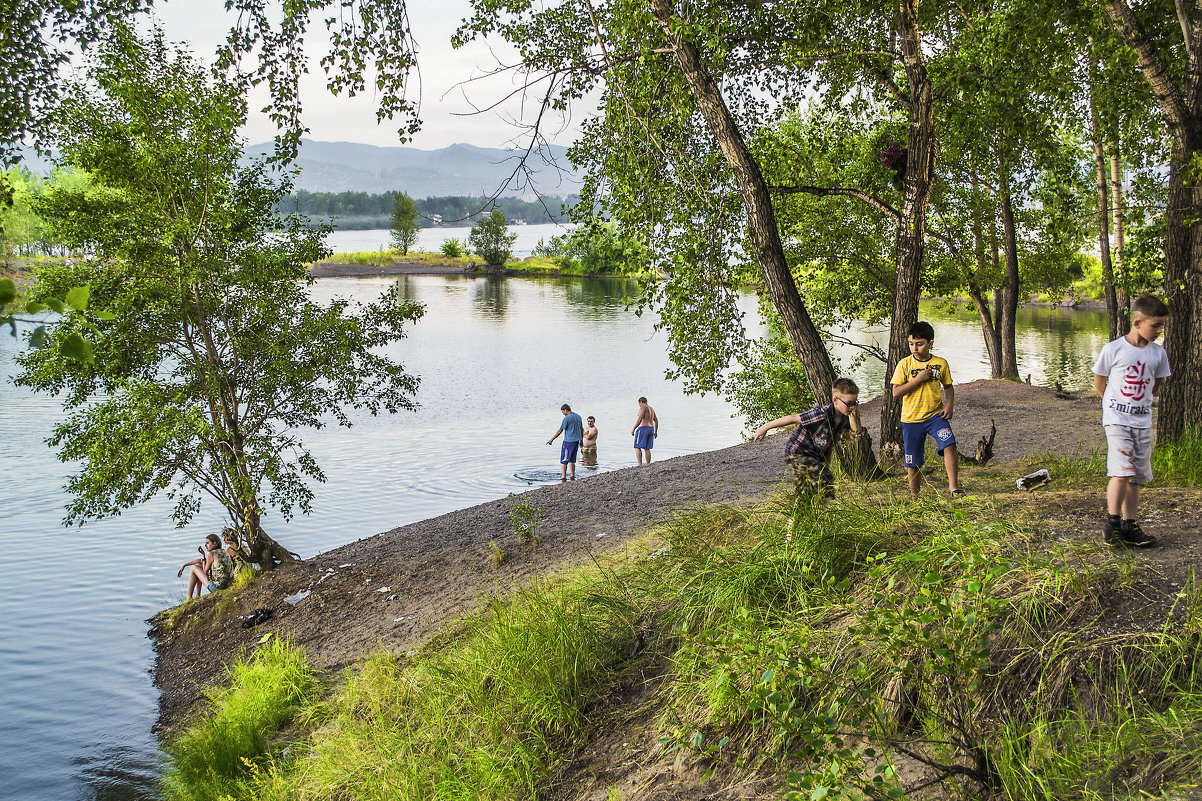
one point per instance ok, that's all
(567, 452)
(644, 437)
(914, 435)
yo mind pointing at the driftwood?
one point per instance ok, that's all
(855, 451)
(984, 447)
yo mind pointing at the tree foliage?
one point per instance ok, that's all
(404, 223)
(490, 239)
(371, 49)
(211, 356)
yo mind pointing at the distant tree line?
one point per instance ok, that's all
(357, 210)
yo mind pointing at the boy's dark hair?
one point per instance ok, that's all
(565, 408)
(642, 400)
(846, 386)
(922, 330)
(1149, 306)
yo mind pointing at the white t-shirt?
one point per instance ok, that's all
(1131, 373)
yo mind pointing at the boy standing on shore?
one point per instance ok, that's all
(809, 448)
(923, 382)
(1128, 374)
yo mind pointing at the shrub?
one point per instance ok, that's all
(451, 247)
(491, 240)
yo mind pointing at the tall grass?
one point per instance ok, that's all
(216, 758)
(1179, 463)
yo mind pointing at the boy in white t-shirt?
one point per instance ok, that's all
(1128, 374)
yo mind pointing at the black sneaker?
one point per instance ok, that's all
(1133, 536)
(1111, 529)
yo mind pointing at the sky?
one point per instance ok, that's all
(446, 106)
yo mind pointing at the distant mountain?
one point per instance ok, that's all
(457, 169)
(453, 170)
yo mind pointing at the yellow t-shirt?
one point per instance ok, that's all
(926, 401)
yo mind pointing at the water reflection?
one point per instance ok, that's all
(490, 297)
(599, 298)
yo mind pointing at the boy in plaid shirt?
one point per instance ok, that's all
(809, 448)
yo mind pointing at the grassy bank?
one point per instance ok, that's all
(858, 649)
(531, 265)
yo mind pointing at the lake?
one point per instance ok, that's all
(496, 356)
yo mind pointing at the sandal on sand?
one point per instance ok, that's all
(260, 615)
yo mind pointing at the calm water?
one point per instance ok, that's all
(496, 359)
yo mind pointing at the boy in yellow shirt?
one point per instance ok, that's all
(923, 381)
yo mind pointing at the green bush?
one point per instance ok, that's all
(451, 247)
(491, 240)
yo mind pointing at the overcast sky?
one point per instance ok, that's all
(445, 111)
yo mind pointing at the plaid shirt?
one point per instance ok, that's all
(816, 434)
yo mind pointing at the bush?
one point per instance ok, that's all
(451, 247)
(491, 240)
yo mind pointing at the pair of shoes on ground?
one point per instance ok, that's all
(1126, 534)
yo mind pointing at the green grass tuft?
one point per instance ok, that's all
(1179, 463)
(221, 756)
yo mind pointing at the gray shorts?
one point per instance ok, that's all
(1129, 453)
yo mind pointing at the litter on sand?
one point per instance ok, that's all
(297, 597)
(1032, 480)
(383, 589)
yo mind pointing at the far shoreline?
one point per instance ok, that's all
(342, 269)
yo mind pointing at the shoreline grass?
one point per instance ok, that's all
(855, 650)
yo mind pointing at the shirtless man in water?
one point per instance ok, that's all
(588, 446)
(646, 429)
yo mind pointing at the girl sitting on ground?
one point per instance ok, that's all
(213, 571)
(235, 549)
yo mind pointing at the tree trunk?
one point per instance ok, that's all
(264, 551)
(1099, 159)
(1123, 295)
(911, 229)
(989, 332)
(761, 216)
(1011, 286)
(1180, 410)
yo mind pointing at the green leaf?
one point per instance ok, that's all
(77, 348)
(104, 315)
(38, 338)
(56, 305)
(77, 298)
(33, 307)
(8, 291)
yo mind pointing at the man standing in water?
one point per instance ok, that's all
(588, 446)
(646, 429)
(572, 429)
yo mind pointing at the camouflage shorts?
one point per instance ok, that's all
(811, 475)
